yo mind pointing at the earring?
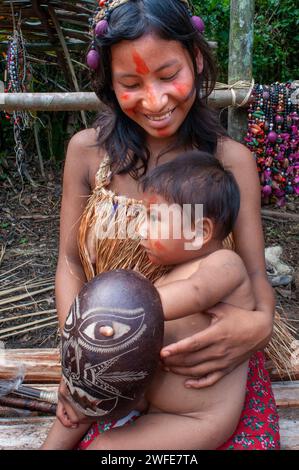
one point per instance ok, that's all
(101, 28)
(198, 23)
(93, 59)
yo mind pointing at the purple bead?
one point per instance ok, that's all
(294, 129)
(266, 95)
(281, 201)
(93, 59)
(101, 28)
(266, 190)
(278, 118)
(272, 137)
(198, 23)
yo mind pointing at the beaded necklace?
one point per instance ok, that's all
(273, 138)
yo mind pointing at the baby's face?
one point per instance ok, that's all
(166, 232)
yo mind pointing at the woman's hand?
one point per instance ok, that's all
(232, 337)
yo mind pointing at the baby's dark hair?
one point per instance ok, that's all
(198, 178)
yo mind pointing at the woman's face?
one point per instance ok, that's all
(153, 80)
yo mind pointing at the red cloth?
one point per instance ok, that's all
(258, 428)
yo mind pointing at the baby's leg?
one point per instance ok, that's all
(156, 431)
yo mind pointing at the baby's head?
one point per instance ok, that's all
(111, 343)
(192, 205)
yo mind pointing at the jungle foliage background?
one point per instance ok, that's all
(275, 59)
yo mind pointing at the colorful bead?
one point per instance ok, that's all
(198, 23)
(101, 28)
(93, 59)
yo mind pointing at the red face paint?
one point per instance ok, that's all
(124, 96)
(141, 66)
(159, 247)
(129, 111)
(181, 88)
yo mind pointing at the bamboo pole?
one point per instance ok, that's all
(67, 56)
(240, 58)
(77, 101)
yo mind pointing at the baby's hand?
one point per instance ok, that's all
(66, 414)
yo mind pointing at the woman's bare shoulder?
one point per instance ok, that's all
(84, 155)
(85, 139)
(232, 153)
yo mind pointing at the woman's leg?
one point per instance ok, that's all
(158, 431)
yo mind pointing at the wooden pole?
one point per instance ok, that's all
(240, 58)
(67, 56)
(77, 101)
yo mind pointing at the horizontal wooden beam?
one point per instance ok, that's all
(88, 101)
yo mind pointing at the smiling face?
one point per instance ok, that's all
(153, 80)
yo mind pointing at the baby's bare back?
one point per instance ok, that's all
(167, 392)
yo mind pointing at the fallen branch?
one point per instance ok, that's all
(33, 314)
(28, 404)
(39, 217)
(22, 305)
(27, 330)
(276, 215)
(19, 327)
(24, 296)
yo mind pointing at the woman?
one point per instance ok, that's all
(153, 70)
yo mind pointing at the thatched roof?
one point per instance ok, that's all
(39, 20)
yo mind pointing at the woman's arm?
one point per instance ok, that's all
(70, 276)
(76, 189)
(234, 334)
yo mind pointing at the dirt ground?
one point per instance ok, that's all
(29, 226)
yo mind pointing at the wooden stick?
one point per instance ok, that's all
(33, 314)
(41, 366)
(24, 296)
(28, 404)
(38, 149)
(67, 55)
(31, 328)
(276, 215)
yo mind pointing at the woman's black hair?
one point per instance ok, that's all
(197, 177)
(123, 139)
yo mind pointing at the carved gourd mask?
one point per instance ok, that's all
(111, 342)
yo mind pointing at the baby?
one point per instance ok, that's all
(192, 204)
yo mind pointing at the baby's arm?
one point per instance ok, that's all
(63, 438)
(216, 277)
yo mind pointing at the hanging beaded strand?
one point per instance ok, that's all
(273, 138)
(17, 74)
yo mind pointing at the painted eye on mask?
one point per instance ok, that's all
(125, 328)
(93, 331)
